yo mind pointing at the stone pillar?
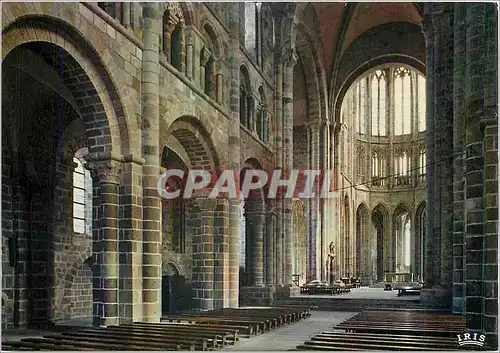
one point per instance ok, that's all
(203, 252)
(459, 138)
(168, 28)
(256, 242)
(314, 202)
(106, 174)
(489, 122)
(189, 60)
(481, 178)
(290, 61)
(234, 60)
(151, 207)
(279, 165)
(130, 249)
(219, 87)
(440, 170)
(126, 14)
(427, 27)
(265, 124)
(182, 54)
(205, 56)
(270, 258)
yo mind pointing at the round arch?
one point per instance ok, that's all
(368, 66)
(81, 60)
(196, 141)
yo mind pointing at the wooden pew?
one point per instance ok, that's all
(25, 345)
(253, 328)
(102, 337)
(212, 339)
(231, 335)
(90, 346)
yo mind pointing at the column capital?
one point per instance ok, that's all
(105, 171)
(205, 56)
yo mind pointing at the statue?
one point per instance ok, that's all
(330, 262)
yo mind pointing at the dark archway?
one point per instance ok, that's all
(253, 228)
(420, 241)
(380, 218)
(43, 87)
(363, 265)
(402, 246)
(172, 286)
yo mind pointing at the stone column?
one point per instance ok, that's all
(270, 258)
(265, 124)
(314, 202)
(189, 60)
(151, 237)
(427, 29)
(126, 14)
(256, 242)
(203, 255)
(279, 165)
(234, 60)
(459, 138)
(105, 174)
(481, 178)
(290, 61)
(182, 54)
(489, 122)
(219, 87)
(130, 194)
(168, 28)
(205, 56)
(440, 172)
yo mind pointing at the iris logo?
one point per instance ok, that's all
(471, 339)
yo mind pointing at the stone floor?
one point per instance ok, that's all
(290, 336)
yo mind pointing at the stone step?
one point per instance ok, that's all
(338, 304)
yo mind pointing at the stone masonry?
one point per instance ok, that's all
(129, 90)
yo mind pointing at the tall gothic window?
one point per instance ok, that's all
(402, 102)
(422, 165)
(361, 107)
(421, 103)
(379, 108)
(252, 28)
(378, 170)
(82, 195)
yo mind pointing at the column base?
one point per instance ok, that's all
(437, 296)
(257, 296)
(287, 291)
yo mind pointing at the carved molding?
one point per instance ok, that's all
(104, 171)
(175, 12)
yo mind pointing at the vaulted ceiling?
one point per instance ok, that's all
(339, 24)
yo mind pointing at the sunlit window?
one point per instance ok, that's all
(402, 102)
(378, 102)
(82, 195)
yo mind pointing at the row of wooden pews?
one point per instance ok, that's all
(391, 330)
(249, 321)
(204, 331)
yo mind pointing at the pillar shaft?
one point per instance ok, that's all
(290, 61)
(151, 237)
(256, 242)
(278, 138)
(234, 153)
(105, 174)
(270, 258)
